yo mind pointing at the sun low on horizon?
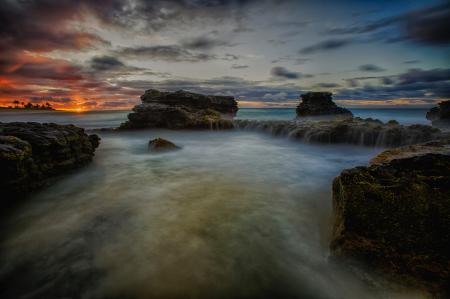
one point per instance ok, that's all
(102, 55)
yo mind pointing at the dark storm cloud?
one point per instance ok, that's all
(411, 61)
(204, 43)
(238, 66)
(328, 85)
(370, 68)
(386, 81)
(419, 75)
(111, 65)
(173, 53)
(326, 45)
(281, 72)
(105, 63)
(415, 83)
(428, 26)
(291, 59)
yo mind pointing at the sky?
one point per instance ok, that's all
(103, 54)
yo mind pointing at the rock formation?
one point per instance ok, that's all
(181, 110)
(32, 153)
(368, 132)
(440, 116)
(161, 145)
(394, 216)
(320, 104)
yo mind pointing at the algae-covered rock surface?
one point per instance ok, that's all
(181, 110)
(394, 216)
(32, 153)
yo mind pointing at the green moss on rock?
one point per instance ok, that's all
(394, 216)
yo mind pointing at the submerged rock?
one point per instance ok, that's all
(394, 216)
(181, 110)
(320, 104)
(367, 132)
(440, 116)
(33, 153)
(160, 145)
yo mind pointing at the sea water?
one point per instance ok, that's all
(110, 119)
(233, 214)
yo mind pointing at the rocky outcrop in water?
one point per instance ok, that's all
(320, 104)
(394, 216)
(181, 110)
(440, 116)
(161, 145)
(368, 132)
(32, 153)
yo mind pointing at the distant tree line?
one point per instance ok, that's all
(22, 105)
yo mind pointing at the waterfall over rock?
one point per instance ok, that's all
(358, 131)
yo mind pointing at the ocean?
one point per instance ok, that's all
(109, 119)
(234, 214)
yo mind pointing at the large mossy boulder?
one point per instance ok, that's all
(182, 110)
(320, 104)
(32, 153)
(394, 216)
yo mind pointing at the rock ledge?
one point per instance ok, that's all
(33, 153)
(181, 110)
(394, 216)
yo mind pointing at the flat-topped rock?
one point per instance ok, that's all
(440, 116)
(222, 104)
(320, 104)
(33, 153)
(182, 110)
(394, 216)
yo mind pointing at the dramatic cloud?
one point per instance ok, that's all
(205, 43)
(418, 75)
(171, 53)
(238, 66)
(428, 25)
(106, 63)
(281, 72)
(100, 54)
(326, 45)
(370, 68)
(328, 85)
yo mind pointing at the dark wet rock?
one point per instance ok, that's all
(394, 216)
(181, 110)
(440, 116)
(161, 145)
(320, 104)
(32, 153)
(367, 132)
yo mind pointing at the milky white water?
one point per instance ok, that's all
(233, 214)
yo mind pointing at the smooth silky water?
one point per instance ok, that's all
(232, 215)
